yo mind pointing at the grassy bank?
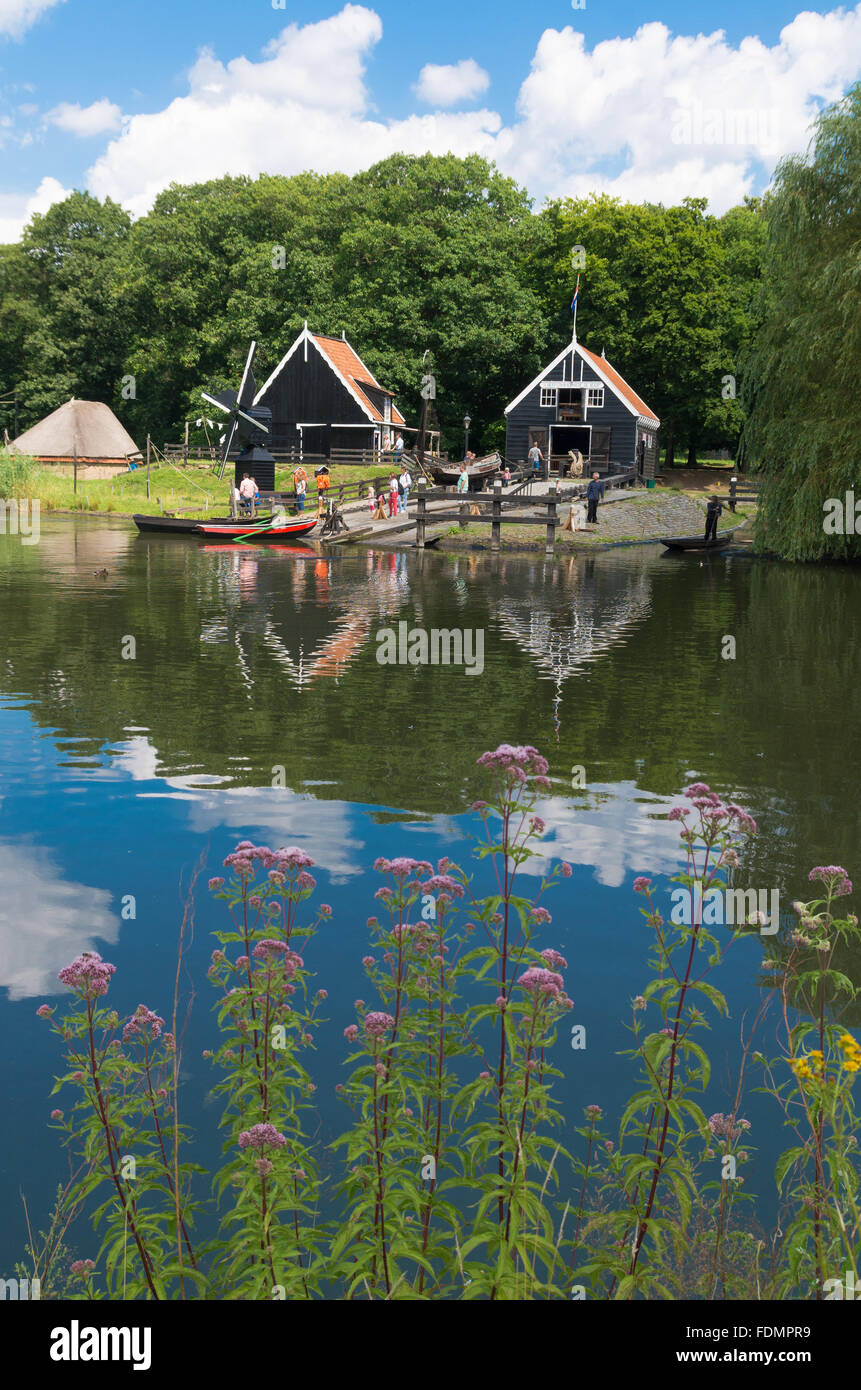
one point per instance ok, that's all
(170, 489)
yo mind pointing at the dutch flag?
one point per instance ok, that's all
(574, 300)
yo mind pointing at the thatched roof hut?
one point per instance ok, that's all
(88, 428)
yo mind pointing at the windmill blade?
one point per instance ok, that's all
(213, 400)
(227, 445)
(246, 396)
(258, 424)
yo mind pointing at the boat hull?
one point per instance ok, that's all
(477, 472)
(238, 531)
(183, 525)
(695, 542)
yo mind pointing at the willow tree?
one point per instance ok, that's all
(804, 372)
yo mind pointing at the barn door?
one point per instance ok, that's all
(600, 453)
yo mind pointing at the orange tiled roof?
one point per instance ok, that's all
(351, 366)
(620, 384)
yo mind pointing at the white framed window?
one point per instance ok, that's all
(548, 396)
(387, 409)
(595, 396)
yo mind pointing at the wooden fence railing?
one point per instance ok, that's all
(742, 490)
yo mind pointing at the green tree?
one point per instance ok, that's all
(803, 372)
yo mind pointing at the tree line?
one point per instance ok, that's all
(740, 331)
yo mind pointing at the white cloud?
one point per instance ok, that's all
(85, 121)
(445, 84)
(17, 16)
(62, 920)
(650, 116)
(16, 209)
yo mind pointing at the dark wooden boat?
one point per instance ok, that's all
(698, 542)
(477, 471)
(248, 531)
(183, 525)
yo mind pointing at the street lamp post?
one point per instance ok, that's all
(466, 424)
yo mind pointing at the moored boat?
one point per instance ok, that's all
(699, 542)
(477, 470)
(248, 531)
(184, 525)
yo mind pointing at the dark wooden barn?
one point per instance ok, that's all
(579, 402)
(323, 397)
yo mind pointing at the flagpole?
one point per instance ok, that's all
(574, 306)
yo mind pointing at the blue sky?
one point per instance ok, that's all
(645, 100)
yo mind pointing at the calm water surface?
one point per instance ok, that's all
(117, 776)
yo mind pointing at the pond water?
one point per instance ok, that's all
(118, 776)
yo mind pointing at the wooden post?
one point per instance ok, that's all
(733, 484)
(185, 447)
(75, 469)
(550, 542)
(421, 506)
(147, 464)
(495, 527)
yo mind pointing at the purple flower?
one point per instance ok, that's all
(44, 1011)
(84, 1267)
(593, 1112)
(834, 877)
(260, 1137)
(351, 1032)
(566, 869)
(722, 1126)
(553, 959)
(376, 1024)
(697, 789)
(541, 982)
(56, 1114)
(641, 884)
(478, 806)
(88, 974)
(676, 813)
(443, 883)
(540, 914)
(215, 883)
(507, 759)
(264, 1166)
(324, 910)
(143, 1024)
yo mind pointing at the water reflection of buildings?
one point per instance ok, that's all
(570, 613)
(343, 607)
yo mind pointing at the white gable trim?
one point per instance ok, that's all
(644, 419)
(588, 364)
(307, 337)
(540, 377)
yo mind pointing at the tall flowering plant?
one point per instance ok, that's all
(267, 1014)
(120, 1133)
(815, 1087)
(663, 1130)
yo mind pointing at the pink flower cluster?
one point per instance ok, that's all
(274, 951)
(143, 1024)
(553, 959)
(376, 1024)
(722, 1126)
(246, 856)
(544, 984)
(88, 974)
(84, 1267)
(834, 877)
(260, 1137)
(516, 764)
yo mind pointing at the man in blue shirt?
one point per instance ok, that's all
(594, 493)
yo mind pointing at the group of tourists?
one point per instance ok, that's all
(300, 487)
(398, 495)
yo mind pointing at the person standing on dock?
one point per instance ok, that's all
(301, 489)
(536, 458)
(399, 448)
(463, 480)
(371, 498)
(594, 494)
(713, 511)
(406, 481)
(393, 495)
